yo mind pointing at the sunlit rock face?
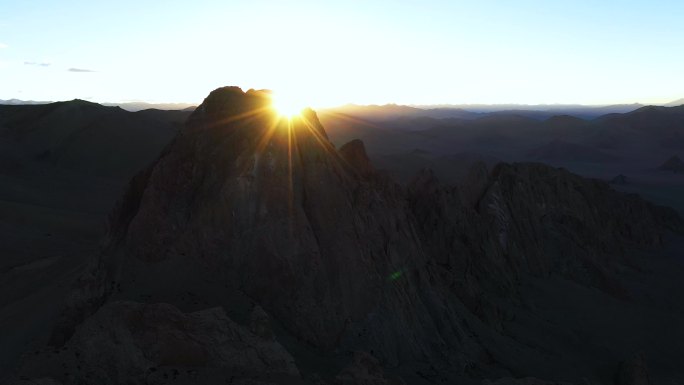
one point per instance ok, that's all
(246, 209)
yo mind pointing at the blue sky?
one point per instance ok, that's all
(333, 52)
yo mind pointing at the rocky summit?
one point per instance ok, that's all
(253, 251)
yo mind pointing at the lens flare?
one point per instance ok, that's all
(287, 105)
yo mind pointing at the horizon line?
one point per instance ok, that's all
(671, 103)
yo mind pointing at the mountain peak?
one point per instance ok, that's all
(232, 100)
(354, 153)
(674, 164)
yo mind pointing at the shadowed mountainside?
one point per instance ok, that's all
(62, 168)
(428, 282)
(628, 144)
(87, 137)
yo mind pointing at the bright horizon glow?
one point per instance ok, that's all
(286, 105)
(332, 53)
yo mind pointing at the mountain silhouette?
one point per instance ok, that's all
(674, 164)
(88, 137)
(254, 250)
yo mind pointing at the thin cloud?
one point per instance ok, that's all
(32, 63)
(3, 45)
(79, 70)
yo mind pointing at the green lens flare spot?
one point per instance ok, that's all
(394, 276)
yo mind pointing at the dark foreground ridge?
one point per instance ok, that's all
(254, 252)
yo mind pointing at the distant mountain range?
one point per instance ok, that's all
(675, 103)
(15, 102)
(82, 135)
(598, 146)
(87, 137)
(129, 106)
(474, 111)
(139, 106)
(440, 111)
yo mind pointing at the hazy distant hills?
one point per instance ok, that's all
(474, 111)
(640, 133)
(15, 102)
(139, 106)
(395, 111)
(648, 118)
(90, 137)
(405, 115)
(129, 106)
(675, 103)
(442, 111)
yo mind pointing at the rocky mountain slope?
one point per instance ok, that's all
(252, 245)
(87, 137)
(62, 168)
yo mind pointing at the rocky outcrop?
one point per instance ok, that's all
(37, 381)
(549, 220)
(354, 153)
(674, 164)
(246, 207)
(364, 370)
(134, 343)
(260, 323)
(633, 371)
(530, 219)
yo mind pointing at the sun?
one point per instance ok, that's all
(288, 106)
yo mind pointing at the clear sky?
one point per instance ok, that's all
(334, 52)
